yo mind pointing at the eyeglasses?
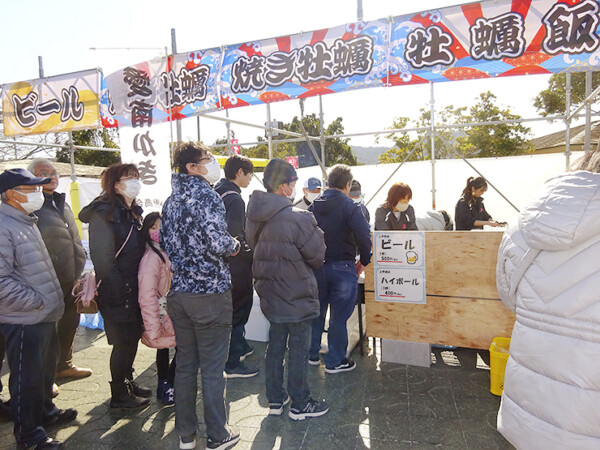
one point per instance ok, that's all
(53, 174)
(210, 157)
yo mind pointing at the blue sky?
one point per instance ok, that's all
(63, 31)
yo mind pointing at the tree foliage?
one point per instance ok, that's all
(553, 99)
(337, 150)
(18, 150)
(470, 141)
(92, 138)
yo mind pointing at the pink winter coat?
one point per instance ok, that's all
(154, 278)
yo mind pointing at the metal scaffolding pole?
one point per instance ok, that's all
(269, 131)
(587, 145)
(432, 105)
(228, 125)
(395, 170)
(308, 141)
(252, 125)
(174, 52)
(321, 132)
(198, 128)
(43, 144)
(568, 123)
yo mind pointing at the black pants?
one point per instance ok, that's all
(165, 371)
(124, 337)
(31, 352)
(67, 328)
(242, 297)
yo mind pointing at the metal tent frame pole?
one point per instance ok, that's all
(568, 123)
(432, 132)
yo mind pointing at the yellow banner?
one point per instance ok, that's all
(52, 105)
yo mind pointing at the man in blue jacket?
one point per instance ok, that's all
(345, 228)
(30, 304)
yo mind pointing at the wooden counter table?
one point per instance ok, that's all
(463, 307)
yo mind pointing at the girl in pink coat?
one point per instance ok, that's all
(154, 279)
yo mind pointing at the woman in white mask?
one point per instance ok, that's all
(115, 228)
(396, 213)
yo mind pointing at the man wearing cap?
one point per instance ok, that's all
(357, 195)
(288, 246)
(30, 304)
(311, 189)
(59, 232)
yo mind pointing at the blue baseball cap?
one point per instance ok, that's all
(11, 178)
(312, 183)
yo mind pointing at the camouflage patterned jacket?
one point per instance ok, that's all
(194, 235)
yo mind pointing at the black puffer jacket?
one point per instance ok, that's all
(59, 231)
(118, 293)
(289, 248)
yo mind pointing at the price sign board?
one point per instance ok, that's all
(400, 266)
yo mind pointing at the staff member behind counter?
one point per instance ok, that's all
(396, 213)
(470, 212)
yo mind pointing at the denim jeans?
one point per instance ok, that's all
(32, 352)
(337, 283)
(202, 325)
(296, 337)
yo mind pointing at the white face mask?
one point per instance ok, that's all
(402, 206)
(292, 195)
(214, 171)
(312, 196)
(132, 189)
(35, 200)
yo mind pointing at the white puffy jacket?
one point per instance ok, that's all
(549, 273)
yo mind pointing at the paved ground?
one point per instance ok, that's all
(377, 406)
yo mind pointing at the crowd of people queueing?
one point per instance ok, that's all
(182, 282)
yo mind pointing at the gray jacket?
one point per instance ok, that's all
(289, 248)
(29, 289)
(60, 234)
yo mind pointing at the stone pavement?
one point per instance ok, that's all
(377, 406)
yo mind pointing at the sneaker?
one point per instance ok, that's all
(249, 350)
(186, 443)
(314, 361)
(313, 408)
(345, 366)
(228, 442)
(63, 416)
(48, 444)
(161, 387)
(276, 408)
(168, 397)
(241, 371)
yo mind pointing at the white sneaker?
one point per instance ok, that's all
(275, 409)
(187, 445)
